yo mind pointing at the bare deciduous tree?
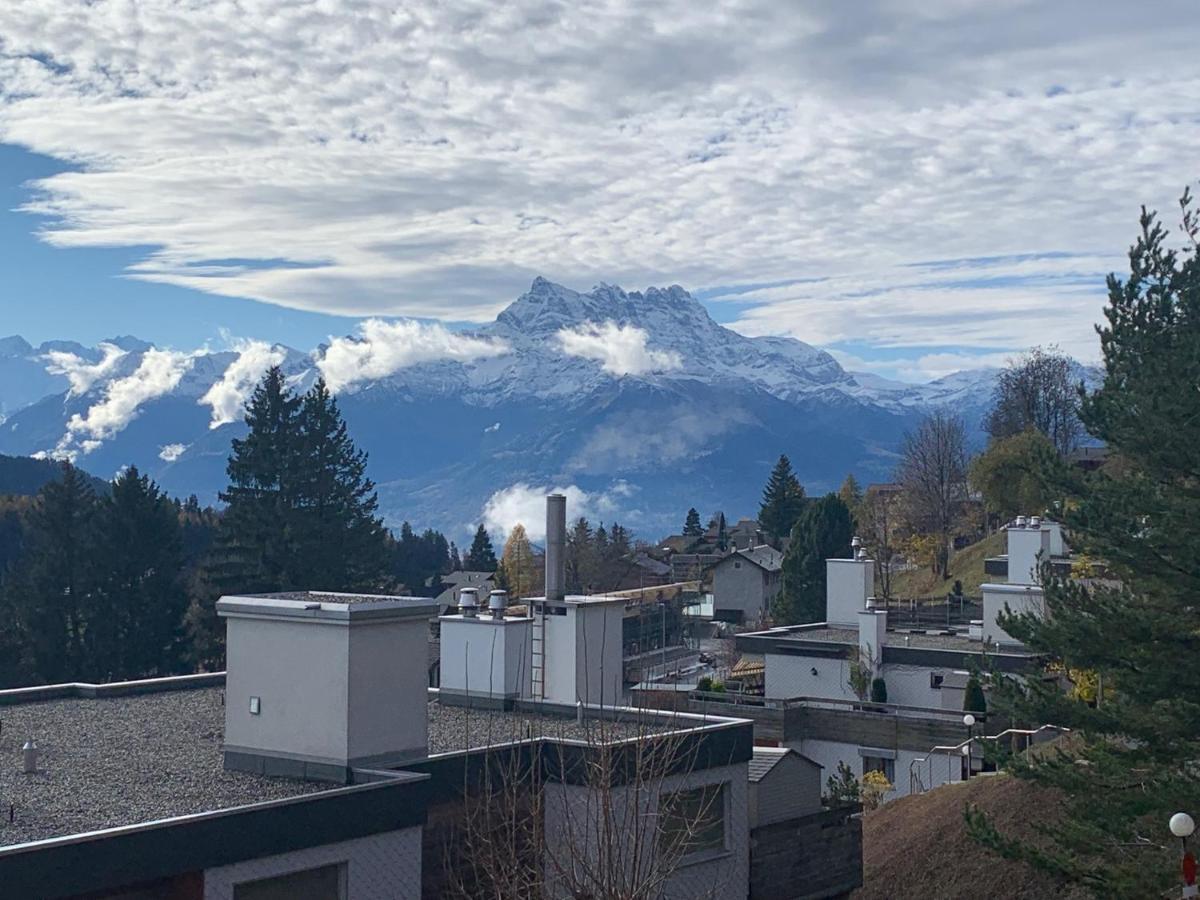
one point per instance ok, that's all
(877, 523)
(933, 475)
(1037, 391)
(611, 817)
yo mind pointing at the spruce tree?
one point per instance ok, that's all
(54, 583)
(722, 533)
(482, 555)
(1130, 762)
(135, 618)
(691, 525)
(782, 501)
(581, 557)
(822, 532)
(341, 543)
(256, 546)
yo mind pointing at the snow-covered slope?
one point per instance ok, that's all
(639, 399)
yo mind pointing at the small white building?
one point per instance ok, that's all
(745, 583)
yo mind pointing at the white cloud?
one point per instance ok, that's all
(525, 504)
(472, 145)
(172, 452)
(383, 348)
(80, 373)
(157, 374)
(620, 349)
(228, 396)
(494, 427)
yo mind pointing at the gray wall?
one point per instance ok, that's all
(792, 788)
(740, 585)
(816, 856)
(384, 866)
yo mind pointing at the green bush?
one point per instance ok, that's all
(704, 684)
(973, 698)
(878, 691)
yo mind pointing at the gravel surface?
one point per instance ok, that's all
(121, 761)
(458, 728)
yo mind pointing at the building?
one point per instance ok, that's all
(745, 583)
(320, 766)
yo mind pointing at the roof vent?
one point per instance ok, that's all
(29, 756)
(1020, 523)
(855, 543)
(862, 554)
(1035, 522)
(468, 602)
(497, 603)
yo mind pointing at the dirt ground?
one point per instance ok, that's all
(917, 848)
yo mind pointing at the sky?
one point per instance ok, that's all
(918, 188)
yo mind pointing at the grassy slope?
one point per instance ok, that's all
(966, 566)
(917, 847)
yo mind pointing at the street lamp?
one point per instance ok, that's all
(1182, 826)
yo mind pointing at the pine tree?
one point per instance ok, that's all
(520, 573)
(782, 500)
(135, 619)
(1131, 760)
(482, 555)
(581, 557)
(823, 532)
(722, 533)
(692, 526)
(256, 546)
(456, 562)
(54, 583)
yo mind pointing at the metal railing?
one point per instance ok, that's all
(955, 752)
(932, 612)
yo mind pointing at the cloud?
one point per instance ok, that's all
(494, 427)
(629, 441)
(525, 504)
(157, 374)
(472, 145)
(228, 396)
(620, 349)
(79, 372)
(172, 452)
(383, 348)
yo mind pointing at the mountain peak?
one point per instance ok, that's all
(15, 345)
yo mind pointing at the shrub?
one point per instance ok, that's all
(874, 786)
(879, 691)
(842, 787)
(704, 684)
(973, 698)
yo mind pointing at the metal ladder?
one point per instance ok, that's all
(537, 668)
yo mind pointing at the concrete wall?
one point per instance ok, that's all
(572, 824)
(599, 658)
(791, 676)
(1027, 548)
(741, 586)
(813, 856)
(1018, 598)
(300, 671)
(387, 716)
(792, 788)
(486, 656)
(848, 584)
(384, 866)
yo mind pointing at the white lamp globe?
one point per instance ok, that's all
(966, 750)
(968, 720)
(1182, 825)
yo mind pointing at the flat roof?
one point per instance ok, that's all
(917, 639)
(113, 761)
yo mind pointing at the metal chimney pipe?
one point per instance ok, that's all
(497, 603)
(556, 547)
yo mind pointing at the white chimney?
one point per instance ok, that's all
(468, 602)
(1025, 545)
(848, 584)
(319, 683)
(872, 634)
(497, 603)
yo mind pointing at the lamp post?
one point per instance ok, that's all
(969, 722)
(1182, 826)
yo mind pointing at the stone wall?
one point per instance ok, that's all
(815, 856)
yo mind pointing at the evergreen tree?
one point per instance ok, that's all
(581, 557)
(852, 495)
(256, 546)
(692, 526)
(482, 555)
(135, 617)
(54, 582)
(342, 542)
(722, 533)
(822, 532)
(973, 697)
(520, 573)
(456, 562)
(782, 500)
(1131, 760)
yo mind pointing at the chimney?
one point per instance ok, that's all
(556, 547)
(1026, 543)
(485, 660)
(468, 602)
(848, 584)
(317, 684)
(497, 603)
(872, 634)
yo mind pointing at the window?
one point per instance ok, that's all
(879, 764)
(693, 821)
(936, 679)
(737, 565)
(325, 883)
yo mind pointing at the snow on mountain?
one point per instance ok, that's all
(587, 390)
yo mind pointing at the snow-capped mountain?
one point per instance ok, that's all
(638, 401)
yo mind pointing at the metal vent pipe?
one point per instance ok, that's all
(556, 547)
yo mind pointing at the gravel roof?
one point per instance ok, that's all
(332, 597)
(458, 728)
(960, 642)
(120, 761)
